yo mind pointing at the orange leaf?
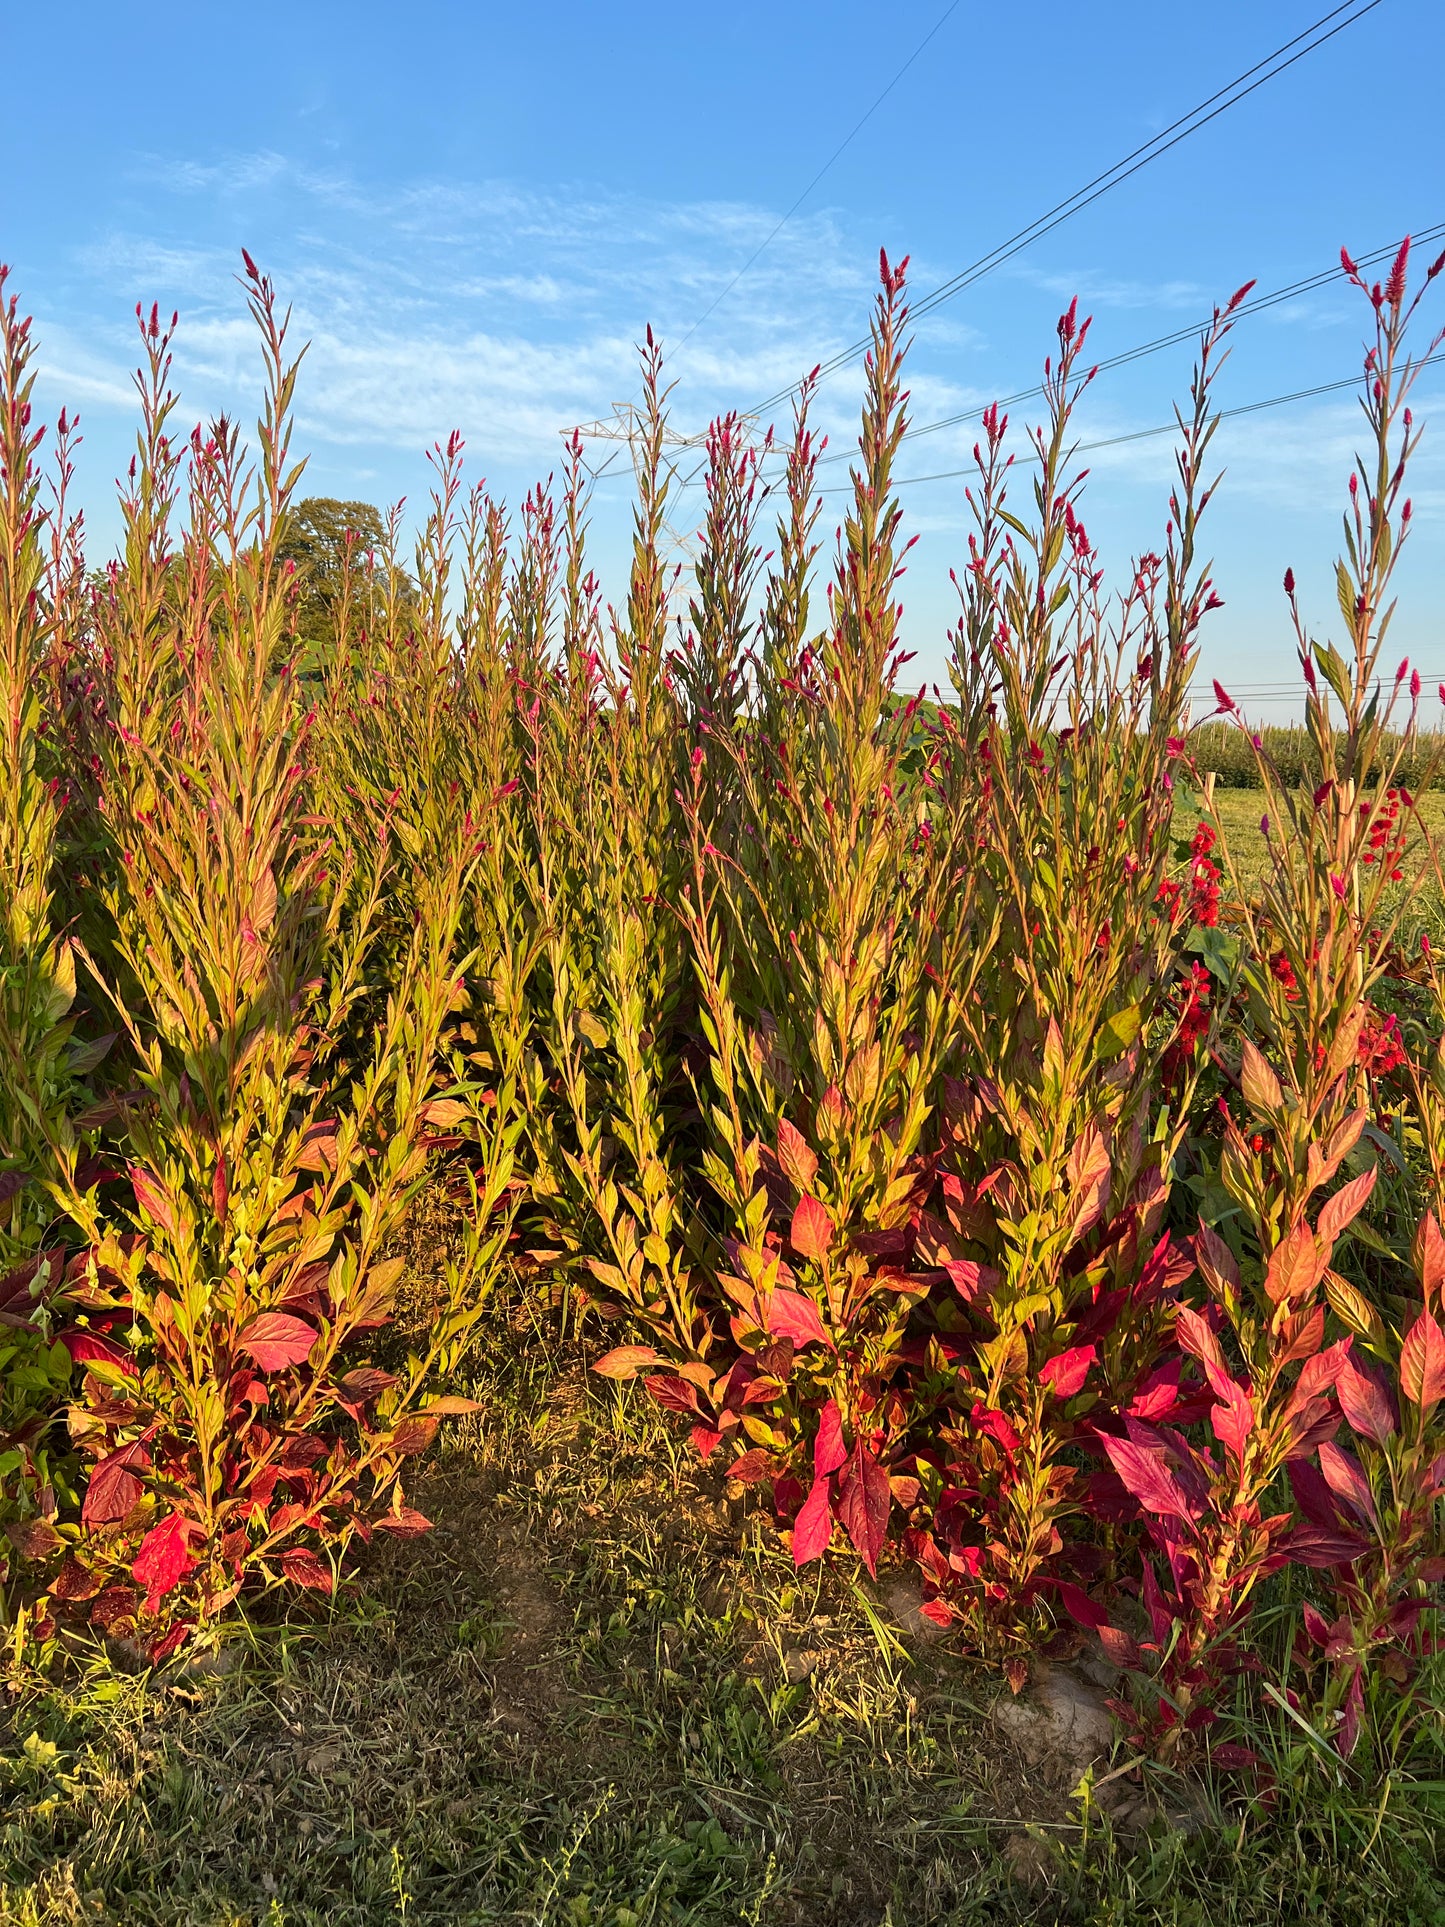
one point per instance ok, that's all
(1295, 1266)
(406, 1524)
(800, 1165)
(1422, 1363)
(303, 1568)
(812, 1229)
(625, 1361)
(276, 1339)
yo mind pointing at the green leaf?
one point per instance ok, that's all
(1119, 1033)
(1217, 950)
(1331, 664)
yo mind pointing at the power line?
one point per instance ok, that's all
(847, 141)
(1145, 434)
(1207, 110)
(628, 409)
(1255, 306)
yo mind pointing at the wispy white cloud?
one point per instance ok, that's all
(1096, 290)
(509, 312)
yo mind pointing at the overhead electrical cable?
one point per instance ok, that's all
(1260, 303)
(1145, 434)
(778, 227)
(1217, 103)
(1257, 305)
(843, 144)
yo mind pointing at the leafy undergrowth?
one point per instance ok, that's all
(579, 1701)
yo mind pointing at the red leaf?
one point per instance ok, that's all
(1316, 1625)
(414, 1433)
(153, 1199)
(1422, 1363)
(1319, 1373)
(790, 1314)
(705, 1440)
(625, 1361)
(864, 1501)
(1066, 1372)
(303, 1568)
(1305, 1331)
(829, 1451)
(113, 1488)
(1233, 1420)
(1346, 1479)
(813, 1526)
(1345, 1206)
(812, 1229)
(169, 1642)
(406, 1524)
(938, 1610)
(1311, 1545)
(1365, 1402)
(276, 1339)
(114, 1606)
(755, 1464)
(1312, 1495)
(1197, 1337)
(969, 1278)
(674, 1394)
(1148, 1479)
(84, 1346)
(73, 1582)
(163, 1559)
(1080, 1608)
(1158, 1396)
(33, 1538)
(1216, 1261)
(1119, 1648)
(366, 1382)
(995, 1425)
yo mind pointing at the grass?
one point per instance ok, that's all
(1238, 811)
(599, 1695)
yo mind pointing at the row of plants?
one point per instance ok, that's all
(984, 1177)
(1228, 755)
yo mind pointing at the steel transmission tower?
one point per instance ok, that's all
(680, 453)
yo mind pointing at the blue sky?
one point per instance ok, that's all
(476, 211)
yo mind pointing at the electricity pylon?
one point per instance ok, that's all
(627, 423)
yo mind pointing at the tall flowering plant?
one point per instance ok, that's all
(1078, 1059)
(235, 1438)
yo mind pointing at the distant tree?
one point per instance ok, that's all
(315, 539)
